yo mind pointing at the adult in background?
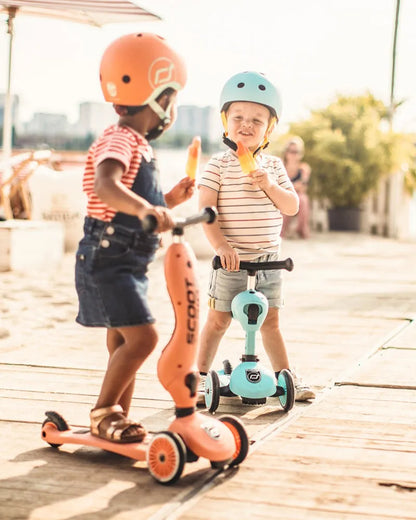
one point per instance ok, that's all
(299, 173)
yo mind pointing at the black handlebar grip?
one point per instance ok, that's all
(211, 213)
(216, 262)
(208, 215)
(259, 266)
(149, 223)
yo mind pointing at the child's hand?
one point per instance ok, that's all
(180, 192)
(261, 179)
(163, 216)
(229, 257)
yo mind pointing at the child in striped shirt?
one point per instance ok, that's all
(250, 218)
(140, 74)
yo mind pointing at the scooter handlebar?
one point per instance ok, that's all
(207, 215)
(259, 266)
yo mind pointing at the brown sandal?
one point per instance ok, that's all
(117, 428)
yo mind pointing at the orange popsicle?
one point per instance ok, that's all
(194, 153)
(247, 162)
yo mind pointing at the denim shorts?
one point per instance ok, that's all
(224, 285)
(110, 275)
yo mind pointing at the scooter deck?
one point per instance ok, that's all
(83, 437)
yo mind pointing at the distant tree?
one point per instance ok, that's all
(349, 150)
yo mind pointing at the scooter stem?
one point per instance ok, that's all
(250, 348)
(177, 370)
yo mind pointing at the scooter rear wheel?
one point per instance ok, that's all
(285, 380)
(166, 457)
(242, 442)
(58, 422)
(212, 391)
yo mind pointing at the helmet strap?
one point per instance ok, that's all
(226, 140)
(164, 115)
(224, 122)
(270, 128)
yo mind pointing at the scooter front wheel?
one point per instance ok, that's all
(58, 422)
(212, 391)
(166, 457)
(242, 442)
(285, 380)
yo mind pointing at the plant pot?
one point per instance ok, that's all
(344, 219)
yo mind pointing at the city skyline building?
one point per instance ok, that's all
(94, 117)
(194, 120)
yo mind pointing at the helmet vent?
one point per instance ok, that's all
(126, 79)
(241, 85)
(262, 87)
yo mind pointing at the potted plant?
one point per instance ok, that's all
(348, 151)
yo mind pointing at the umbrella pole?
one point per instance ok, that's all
(7, 118)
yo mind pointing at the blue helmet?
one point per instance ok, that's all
(254, 87)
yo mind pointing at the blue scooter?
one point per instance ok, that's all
(250, 380)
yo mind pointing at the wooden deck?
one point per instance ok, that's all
(348, 324)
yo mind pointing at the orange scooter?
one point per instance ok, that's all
(224, 441)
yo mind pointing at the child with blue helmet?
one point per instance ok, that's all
(250, 217)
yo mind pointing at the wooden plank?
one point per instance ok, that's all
(397, 406)
(299, 471)
(155, 415)
(406, 339)
(26, 392)
(324, 465)
(279, 505)
(385, 369)
(69, 380)
(47, 483)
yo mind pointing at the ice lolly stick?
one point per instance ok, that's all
(247, 162)
(194, 153)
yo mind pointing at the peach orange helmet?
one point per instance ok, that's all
(137, 67)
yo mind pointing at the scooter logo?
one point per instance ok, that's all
(161, 71)
(253, 376)
(191, 311)
(211, 430)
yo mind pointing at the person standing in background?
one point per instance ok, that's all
(299, 173)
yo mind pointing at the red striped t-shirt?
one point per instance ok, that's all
(123, 144)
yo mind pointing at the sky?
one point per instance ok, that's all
(312, 50)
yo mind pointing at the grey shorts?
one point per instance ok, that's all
(224, 285)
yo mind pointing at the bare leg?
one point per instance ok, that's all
(125, 360)
(214, 329)
(273, 340)
(114, 341)
(303, 216)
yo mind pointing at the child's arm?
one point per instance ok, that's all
(286, 199)
(111, 191)
(229, 257)
(180, 192)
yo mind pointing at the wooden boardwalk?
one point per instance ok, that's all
(348, 324)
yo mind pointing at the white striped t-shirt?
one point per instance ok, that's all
(249, 220)
(123, 144)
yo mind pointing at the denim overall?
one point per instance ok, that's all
(112, 261)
